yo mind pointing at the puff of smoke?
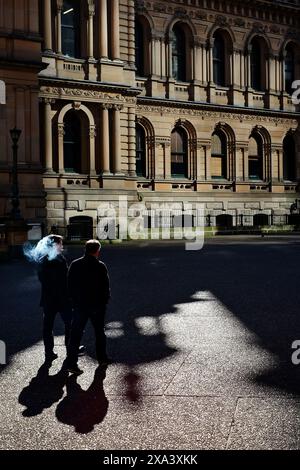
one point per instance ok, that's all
(45, 247)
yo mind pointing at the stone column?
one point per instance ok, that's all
(155, 55)
(105, 150)
(48, 136)
(197, 61)
(204, 64)
(170, 71)
(103, 28)
(131, 142)
(131, 33)
(92, 151)
(207, 153)
(116, 138)
(58, 22)
(48, 26)
(248, 62)
(115, 24)
(210, 61)
(90, 38)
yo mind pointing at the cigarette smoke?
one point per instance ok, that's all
(45, 247)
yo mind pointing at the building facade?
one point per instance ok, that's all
(20, 64)
(164, 101)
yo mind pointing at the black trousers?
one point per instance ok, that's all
(80, 319)
(48, 324)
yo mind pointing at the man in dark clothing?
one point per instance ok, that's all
(52, 274)
(88, 286)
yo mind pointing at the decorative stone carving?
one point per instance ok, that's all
(221, 20)
(160, 7)
(61, 131)
(258, 28)
(76, 92)
(217, 115)
(162, 141)
(93, 132)
(76, 105)
(239, 22)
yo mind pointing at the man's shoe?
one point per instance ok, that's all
(74, 370)
(81, 351)
(50, 357)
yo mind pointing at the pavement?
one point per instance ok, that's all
(201, 343)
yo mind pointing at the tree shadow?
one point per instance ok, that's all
(83, 409)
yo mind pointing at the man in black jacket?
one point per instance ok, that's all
(52, 274)
(88, 286)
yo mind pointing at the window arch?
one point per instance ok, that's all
(289, 68)
(289, 158)
(219, 155)
(257, 64)
(219, 59)
(179, 53)
(179, 154)
(140, 151)
(70, 28)
(255, 158)
(142, 46)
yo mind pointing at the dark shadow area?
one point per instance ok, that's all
(257, 282)
(83, 409)
(43, 391)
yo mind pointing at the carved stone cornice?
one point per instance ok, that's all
(216, 115)
(83, 95)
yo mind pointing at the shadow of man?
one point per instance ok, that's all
(42, 391)
(83, 409)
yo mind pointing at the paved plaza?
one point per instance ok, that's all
(201, 343)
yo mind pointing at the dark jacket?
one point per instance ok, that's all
(53, 277)
(88, 283)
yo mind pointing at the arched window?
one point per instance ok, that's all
(289, 159)
(179, 54)
(219, 59)
(139, 49)
(219, 156)
(255, 158)
(72, 142)
(179, 166)
(256, 65)
(70, 28)
(140, 151)
(289, 68)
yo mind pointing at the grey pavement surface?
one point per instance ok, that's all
(201, 343)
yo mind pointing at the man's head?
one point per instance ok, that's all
(57, 242)
(92, 247)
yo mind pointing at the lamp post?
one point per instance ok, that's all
(15, 212)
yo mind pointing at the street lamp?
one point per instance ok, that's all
(15, 135)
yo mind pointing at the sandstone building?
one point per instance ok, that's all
(183, 100)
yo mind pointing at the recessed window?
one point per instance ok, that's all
(219, 60)
(289, 68)
(289, 159)
(70, 28)
(256, 65)
(140, 151)
(255, 158)
(179, 54)
(179, 167)
(219, 156)
(72, 143)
